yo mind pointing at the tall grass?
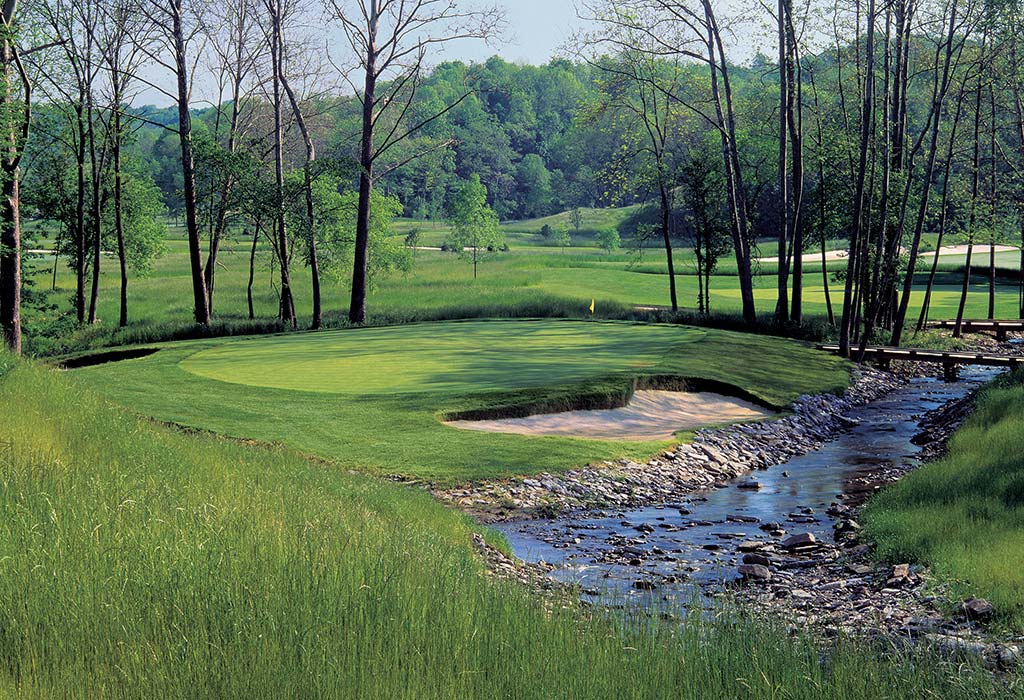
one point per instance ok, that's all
(138, 562)
(964, 515)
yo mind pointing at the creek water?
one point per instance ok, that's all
(690, 548)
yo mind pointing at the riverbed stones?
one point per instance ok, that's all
(978, 609)
(802, 542)
(755, 572)
(714, 459)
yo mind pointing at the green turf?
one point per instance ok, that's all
(382, 410)
(143, 563)
(964, 515)
(450, 357)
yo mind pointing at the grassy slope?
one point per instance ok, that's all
(387, 418)
(964, 515)
(139, 562)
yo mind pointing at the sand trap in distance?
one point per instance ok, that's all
(649, 416)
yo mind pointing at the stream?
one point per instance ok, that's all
(678, 553)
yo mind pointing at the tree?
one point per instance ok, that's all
(178, 23)
(17, 118)
(475, 229)
(608, 239)
(390, 40)
(576, 219)
(561, 237)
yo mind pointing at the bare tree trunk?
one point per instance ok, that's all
(119, 211)
(202, 308)
(360, 266)
(935, 121)
(922, 320)
(782, 301)
(287, 309)
(80, 213)
(795, 123)
(666, 215)
(252, 270)
(975, 178)
(734, 180)
(856, 232)
(10, 215)
(992, 203)
(95, 212)
(314, 262)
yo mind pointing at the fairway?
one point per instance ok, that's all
(453, 357)
(376, 398)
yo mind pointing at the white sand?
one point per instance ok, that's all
(979, 249)
(650, 415)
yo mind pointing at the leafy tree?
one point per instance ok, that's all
(475, 229)
(561, 237)
(609, 240)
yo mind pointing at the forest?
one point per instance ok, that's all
(885, 123)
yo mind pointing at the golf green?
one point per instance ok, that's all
(376, 398)
(455, 357)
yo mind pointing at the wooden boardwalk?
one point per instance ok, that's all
(950, 361)
(1000, 328)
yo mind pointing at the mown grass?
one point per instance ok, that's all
(525, 282)
(375, 398)
(964, 515)
(140, 562)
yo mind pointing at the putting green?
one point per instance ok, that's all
(459, 358)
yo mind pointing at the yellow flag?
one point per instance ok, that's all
(592, 305)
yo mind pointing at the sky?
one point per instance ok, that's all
(537, 29)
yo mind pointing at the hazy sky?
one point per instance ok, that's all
(537, 29)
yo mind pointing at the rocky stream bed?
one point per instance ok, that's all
(760, 514)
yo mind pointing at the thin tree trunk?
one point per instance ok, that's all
(782, 293)
(734, 180)
(10, 215)
(287, 308)
(975, 178)
(252, 270)
(867, 117)
(360, 265)
(97, 231)
(202, 308)
(119, 212)
(666, 214)
(314, 262)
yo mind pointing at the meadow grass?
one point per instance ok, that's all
(375, 398)
(141, 562)
(963, 516)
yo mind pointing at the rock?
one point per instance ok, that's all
(749, 485)
(899, 576)
(750, 546)
(644, 585)
(755, 572)
(804, 540)
(758, 559)
(978, 609)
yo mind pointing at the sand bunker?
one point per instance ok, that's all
(650, 415)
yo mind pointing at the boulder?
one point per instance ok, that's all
(978, 609)
(804, 540)
(759, 559)
(755, 572)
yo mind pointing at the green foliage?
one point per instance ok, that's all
(609, 240)
(143, 221)
(337, 212)
(475, 230)
(560, 237)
